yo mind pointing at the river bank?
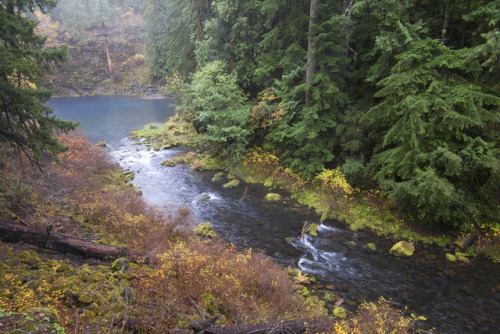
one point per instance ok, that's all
(328, 194)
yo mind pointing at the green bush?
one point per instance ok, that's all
(220, 108)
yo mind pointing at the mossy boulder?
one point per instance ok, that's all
(101, 144)
(402, 249)
(312, 230)
(169, 163)
(205, 230)
(451, 257)
(218, 177)
(339, 312)
(352, 243)
(371, 247)
(462, 259)
(232, 184)
(120, 265)
(273, 197)
(268, 183)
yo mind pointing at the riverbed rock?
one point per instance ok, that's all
(451, 257)
(101, 144)
(205, 230)
(268, 183)
(402, 249)
(371, 247)
(339, 312)
(352, 243)
(273, 197)
(232, 184)
(312, 230)
(218, 177)
(462, 259)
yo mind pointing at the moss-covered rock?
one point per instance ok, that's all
(402, 249)
(101, 144)
(273, 197)
(205, 230)
(312, 230)
(268, 183)
(451, 257)
(371, 247)
(120, 265)
(462, 259)
(352, 243)
(217, 177)
(232, 184)
(339, 312)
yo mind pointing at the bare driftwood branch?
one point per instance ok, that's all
(12, 232)
(286, 327)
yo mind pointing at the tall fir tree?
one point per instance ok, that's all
(25, 120)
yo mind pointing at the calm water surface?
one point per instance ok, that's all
(455, 298)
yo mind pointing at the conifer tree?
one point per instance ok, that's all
(25, 120)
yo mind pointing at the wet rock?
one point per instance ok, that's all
(232, 184)
(205, 230)
(462, 259)
(352, 243)
(312, 230)
(339, 312)
(402, 249)
(218, 177)
(268, 183)
(371, 247)
(450, 273)
(204, 197)
(451, 257)
(272, 197)
(290, 239)
(101, 144)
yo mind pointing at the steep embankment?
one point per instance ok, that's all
(104, 60)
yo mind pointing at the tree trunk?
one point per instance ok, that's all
(12, 232)
(110, 67)
(286, 327)
(310, 47)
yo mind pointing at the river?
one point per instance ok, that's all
(454, 297)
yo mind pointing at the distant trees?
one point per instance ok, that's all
(400, 93)
(25, 121)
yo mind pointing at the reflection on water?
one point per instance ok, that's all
(455, 298)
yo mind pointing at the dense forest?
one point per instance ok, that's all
(398, 94)
(367, 106)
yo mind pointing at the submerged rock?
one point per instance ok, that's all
(371, 247)
(273, 197)
(402, 249)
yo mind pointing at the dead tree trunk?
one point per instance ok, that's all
(108, 57)
(286, 327)
(12, 232)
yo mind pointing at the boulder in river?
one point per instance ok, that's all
(371, 247)
(339, 312)
(273, 197)
(402, 249)
(232, 184)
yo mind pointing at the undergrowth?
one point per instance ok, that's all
(173, 280)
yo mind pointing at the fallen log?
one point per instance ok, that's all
(285, 327)
(12, 232)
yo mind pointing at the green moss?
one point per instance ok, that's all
(451, 257)
(273, 197)
(268, 183)
(217, 177)
(371, 247)
(205, 230)
(101, 144)
(120, 265)
(352, 243)
(312, 230)
(232, 184)
(339, 312)
(402, 249)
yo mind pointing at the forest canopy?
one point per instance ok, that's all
(402, 95)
